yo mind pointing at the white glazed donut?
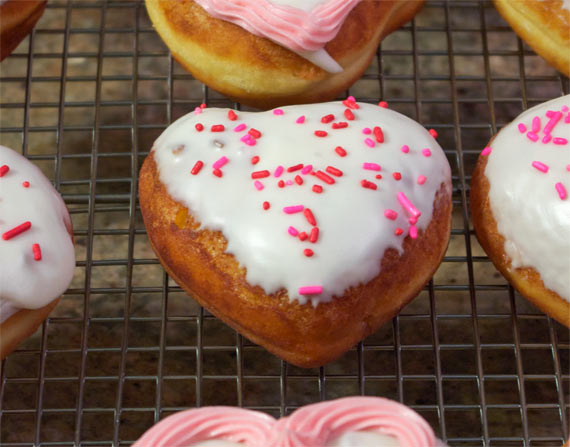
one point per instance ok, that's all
(276, 213)
(521, 208)
(37, 257)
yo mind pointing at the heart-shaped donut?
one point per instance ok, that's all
(305, 228)
(346, 422)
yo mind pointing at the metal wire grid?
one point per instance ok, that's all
(483, 366)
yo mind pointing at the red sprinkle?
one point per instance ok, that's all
(324, 177)
(260, 174)
(378, 176)
(397, 176)
(309, 216)
(321, 133)
(314, 236)
(203, 106)
(334, 171)
(398, 232)
(340, 151)
(379, 134)
(37, 252)
(217, 128)
(383, 104)
(254, 160)
(318, 189)
(348, 114)
(295, 168)
(433, 133)
(281, 184)
(254, 133)
(217, 172)
(308, 252)
(197, 167)
(303, 236)
(16, 231)
(369, 185)
(232, 115)
(327, 118)
(351, 104)
(26, 184)
(266, 205)
(298, 180)
(199, 127)
(4, 170)
(340, 125)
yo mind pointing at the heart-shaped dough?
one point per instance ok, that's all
(258, 214)
(369, 421)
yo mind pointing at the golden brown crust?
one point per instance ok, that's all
(261, 73)
(544, 25)
(20, 326)
(526, 280)
(301, 334)
(17, 18)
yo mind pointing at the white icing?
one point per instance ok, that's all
(217, 443)
(354, 233)
(566, 4)
(364, 439)
(6, 310)
(531, 216)
(24, 282)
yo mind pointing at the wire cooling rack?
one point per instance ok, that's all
(85, 96)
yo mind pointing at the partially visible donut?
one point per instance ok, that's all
(37, 257)
(520, 205)
(17, 19)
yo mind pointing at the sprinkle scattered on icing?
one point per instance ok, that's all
(295, 170)
(528, 192)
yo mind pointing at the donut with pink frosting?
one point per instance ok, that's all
(345, 422)
(268, 53)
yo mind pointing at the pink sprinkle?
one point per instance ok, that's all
(246, 138)
(413, 232)
(197, 111)
(426, 152)
(568, 168)
(560, 141)
(561, 190)
(293, 209)
(567, 119)
(293, 231)
(405, 202)
(371, 166)
(278, 171)
(301, 119)
(405, 149)
(366, 131)
(522, 128)
(289, 182)
(278, 112)
(532, 136)
(550, 113)
(553, 121)
(258, 185)
(391, 214)
(221, 162)
(536, 124)
(540, 166)
(251, 142)
(369, 142)
(564, 108)
(546, 138)
(310, 290)
(421, 179)
(239, 127)
(413, 220)
(307, 169)
(486, 151)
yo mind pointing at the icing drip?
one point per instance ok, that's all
(346, 422)
(302, 26)
(37, 258)
(347, 202)
(528, 183)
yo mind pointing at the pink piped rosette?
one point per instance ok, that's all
(314, 425)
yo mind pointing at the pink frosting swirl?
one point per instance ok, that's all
(291, 27)
(315, 425)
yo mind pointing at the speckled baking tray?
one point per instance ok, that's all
(86, 95)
